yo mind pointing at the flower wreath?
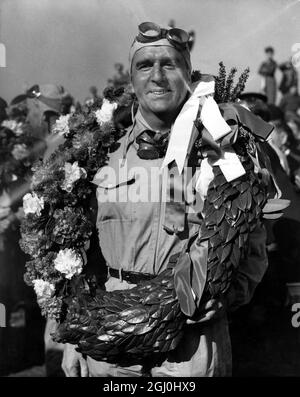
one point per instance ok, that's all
(58, 223)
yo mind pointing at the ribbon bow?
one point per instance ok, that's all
(214, 123)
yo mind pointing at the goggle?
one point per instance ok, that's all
(149, 32)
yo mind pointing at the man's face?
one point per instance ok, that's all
(160, 80)
(269, 55)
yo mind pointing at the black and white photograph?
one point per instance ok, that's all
(149, 191)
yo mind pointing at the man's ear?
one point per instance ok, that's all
(130, 88)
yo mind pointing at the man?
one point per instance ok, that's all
(289, 77)
(140, 237)
(267, 71)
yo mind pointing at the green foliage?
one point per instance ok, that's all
(225, 91)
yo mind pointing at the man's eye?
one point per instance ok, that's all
(169, 65)
(144, 66)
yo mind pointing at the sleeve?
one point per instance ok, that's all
(250, 271)
(263, 70)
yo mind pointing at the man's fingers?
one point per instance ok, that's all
(84, 370)
(71, 362)
(211, 304)
(71, 372)
(208, 316)
(207, 311)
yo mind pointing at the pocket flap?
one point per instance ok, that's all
(108, 178)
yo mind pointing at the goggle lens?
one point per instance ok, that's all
(178, 35)
(151, 31)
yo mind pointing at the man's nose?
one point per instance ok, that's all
(157, 74)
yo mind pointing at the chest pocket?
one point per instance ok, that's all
(115, 217)
(112, 195)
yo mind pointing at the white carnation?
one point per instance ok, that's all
(68, 262)
(32, 204)
(43, 289)
(104, 115)
(61, 126)
(72, 174)
(20, 151)
(17, 128)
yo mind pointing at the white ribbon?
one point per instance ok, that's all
(212, 120)
(182, 128)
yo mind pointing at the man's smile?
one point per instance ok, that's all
(159, 92)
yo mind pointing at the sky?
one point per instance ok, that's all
(76, 43)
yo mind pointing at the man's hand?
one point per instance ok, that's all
(209, 310)
(73, 364)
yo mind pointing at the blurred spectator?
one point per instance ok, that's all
(94, 96)
(267, 71)
(254, 351)
(3, 106)
(289, 77)
(67, 105)
(280, 139)
(21, 342)
(257, 103)
(290, 105)
(47, 102)
(121, 78)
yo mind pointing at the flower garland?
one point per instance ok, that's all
(57, 226)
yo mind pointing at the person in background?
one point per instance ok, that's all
(278, 138)
(267, 312)
(121, 78)
(94, 96)
(3, 106)
(21, 342)
(290, 105)
(52, 101)
(289, 77)
(47, 102)
(267, 71)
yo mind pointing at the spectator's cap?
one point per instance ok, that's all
(253, 96)
(150, 34)
(50, 97)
